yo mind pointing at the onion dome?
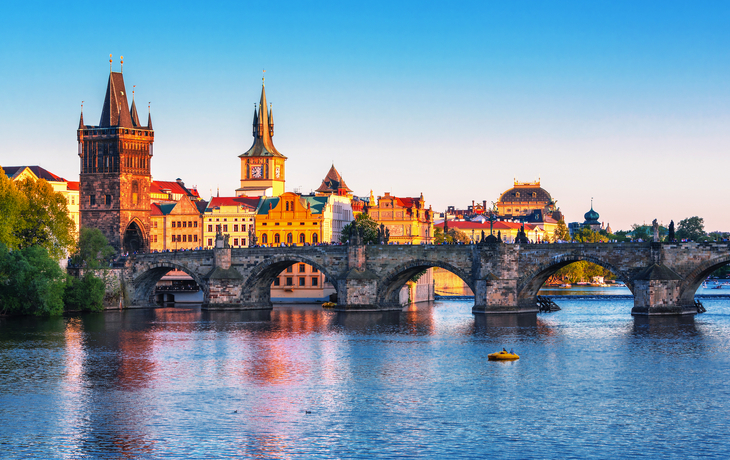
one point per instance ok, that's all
(591, 215)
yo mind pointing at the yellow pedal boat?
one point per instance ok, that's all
(503, 356)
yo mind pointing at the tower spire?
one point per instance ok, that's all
(149, 116)
(81, 119)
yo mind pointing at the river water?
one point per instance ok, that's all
(300, 382)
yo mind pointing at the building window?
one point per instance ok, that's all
(235, 241)
(290, 269)
(154, 224)
(302, 238)
(315, 281)
(314, 270)
(243, 241)
(264, 239)
(243, 228)
(108, 199)
(190, 224)
(195, 238)
(277, 239)
(277, 282)
(185, 238)
(195, 224)
(210, 241)
(302, 268)
(315, 239)
(92, 200)
(289, 238)
(185, 224)
(302, 281)
(210, 228)
(289, 281)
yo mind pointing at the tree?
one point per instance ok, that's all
(586, 235)
(31, 282)
(561, 232)
(691, 228)
(93, 249)
(44, 219)
(452, 236)
(85, 293)
(362, 222)
(12, 203)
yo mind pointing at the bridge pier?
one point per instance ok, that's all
(499, 296)
(657, 292)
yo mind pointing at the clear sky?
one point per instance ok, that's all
(625, 102)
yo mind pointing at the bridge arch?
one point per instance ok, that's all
(148, 276)
(256, 288)
(530, 283)
(390, 285)
(694, 279)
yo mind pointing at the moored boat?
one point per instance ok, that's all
(503, 356)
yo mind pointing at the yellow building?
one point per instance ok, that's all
(529, 202)
(176, 225)
(406, 218)
(232, 216)
(263, 170)
(69, 189)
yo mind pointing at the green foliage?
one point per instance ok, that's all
(691, 228)
(45, 221)
(31, 282)
(364, 222)
(452, 236)
(85, 293)
(579, 272)
(586, 235)
(93, 249)
(561, 232)
(12, 203)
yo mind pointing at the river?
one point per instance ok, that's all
(301, 382)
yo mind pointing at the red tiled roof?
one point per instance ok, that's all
(498, 225)
(172, 186)
(72, 185)
(248, 202)
(41, 173)
(155, 210)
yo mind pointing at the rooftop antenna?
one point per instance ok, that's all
(121, 68)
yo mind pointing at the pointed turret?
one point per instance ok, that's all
(116, 109)
(149, 121)
(271, 121)
(81, 121)
(133, 112)
(262, 132)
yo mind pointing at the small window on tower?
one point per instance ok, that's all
(92, 200)
(108, 199)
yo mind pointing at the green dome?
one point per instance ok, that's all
(591, 217)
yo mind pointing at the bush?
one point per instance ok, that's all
(85, 293)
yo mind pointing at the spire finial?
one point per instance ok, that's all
(263, 77)
(110, 63)
(133, 86)
(82, 107)
(121, 68)
(148, 108)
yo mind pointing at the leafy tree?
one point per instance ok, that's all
(586, 235)
(691, 228)
(561, 232)
(367, 224)
(31, 282)
(12, 203)
(451, 236)
(44, 219)
(93, 248)
(85, 293)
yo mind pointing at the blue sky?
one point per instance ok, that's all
(625, 102)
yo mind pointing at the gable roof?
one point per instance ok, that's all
(40, 173)
(250, 203)
(333, 182)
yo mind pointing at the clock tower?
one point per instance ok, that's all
(262, 166)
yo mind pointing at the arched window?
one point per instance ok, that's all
(277, 240)
(135, 192)
(289, 238)
(264, 239)
(302, 238)
(248, 170)
(287, 205)
(315, 239)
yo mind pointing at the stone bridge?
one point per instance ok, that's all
(505, 278)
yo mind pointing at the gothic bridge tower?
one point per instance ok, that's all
(262, 166)
(114, 189)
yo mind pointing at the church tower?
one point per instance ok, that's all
(262, 166)
(114, 188)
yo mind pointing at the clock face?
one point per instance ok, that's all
(278, 172)
(257, 172)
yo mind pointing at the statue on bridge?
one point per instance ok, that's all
(221, 240)
(670, 235)
(383, 234)
(655, 227)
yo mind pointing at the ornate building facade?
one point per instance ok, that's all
(263, 171)
(407, 219)
(114, 185)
